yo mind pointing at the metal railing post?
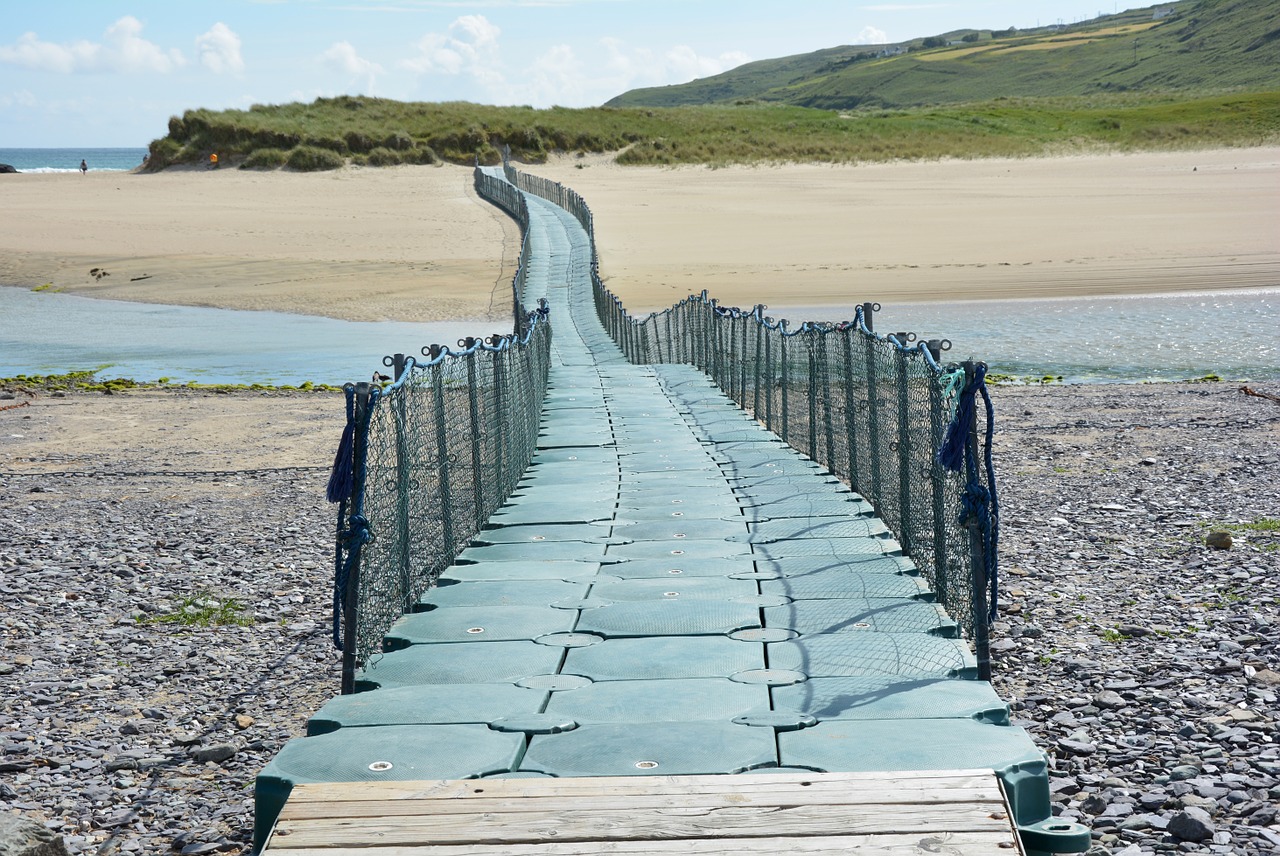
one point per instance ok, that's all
(786, 382)
(938, 481)
(768, 372)
(813, 394)
(499, 419)
(442, 462)
(850, 409)
(755, 360)
(977, 555)
(906, 535)
(873, 421)
(404, 472)
(473, 408)
(824, 369)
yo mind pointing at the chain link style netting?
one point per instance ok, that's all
(431, 457)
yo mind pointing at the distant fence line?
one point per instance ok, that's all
(877, 410)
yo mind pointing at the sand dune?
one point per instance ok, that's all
(415, 243)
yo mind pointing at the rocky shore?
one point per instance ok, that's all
(167, 602)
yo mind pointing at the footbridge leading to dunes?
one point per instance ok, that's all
(690, 582)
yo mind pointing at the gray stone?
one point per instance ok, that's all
(216, 754)
(21, 836)
(1108, 700)
(1191, 824)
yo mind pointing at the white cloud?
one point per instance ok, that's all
(471, 49)
(122, 50)
(342, 57)
(871, 36)
(637, 67)
(219, 50)
(470, 46)
(21, 98)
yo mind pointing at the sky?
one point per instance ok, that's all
(101, 73)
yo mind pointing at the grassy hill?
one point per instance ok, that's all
(331, 132)
(1203, 45)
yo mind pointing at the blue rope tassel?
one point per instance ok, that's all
(979, 501)
(341, 478)
(952, 453)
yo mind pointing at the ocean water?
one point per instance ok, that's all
(68, 160)
(1233, 334)
(50, 333)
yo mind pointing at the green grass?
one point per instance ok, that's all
(204, 609)
(1205, 45)
(717, 135)
(88, 380)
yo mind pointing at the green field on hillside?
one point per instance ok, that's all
(1190, 46)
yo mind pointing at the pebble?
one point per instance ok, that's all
(117, 733)
(111, 699)
(1165, 657)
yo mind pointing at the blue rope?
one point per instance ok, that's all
(356, 535)
(991, 520)
(341, 479)
(979, 502)
(956, 440)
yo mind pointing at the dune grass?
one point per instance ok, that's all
(328, 133)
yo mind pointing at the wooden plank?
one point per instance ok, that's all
(653, 825)
(933, 844)
(590, 786)
(831, 794)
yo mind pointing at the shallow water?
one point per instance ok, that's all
(1235, 335)
(68, 160)
(45, 333)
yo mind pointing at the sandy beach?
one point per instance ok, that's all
(406, 244)
(417, 244)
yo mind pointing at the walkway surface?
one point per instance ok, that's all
(670, 592)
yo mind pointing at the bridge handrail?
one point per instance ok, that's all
(429, 456)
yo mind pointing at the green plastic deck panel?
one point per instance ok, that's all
(670, 590)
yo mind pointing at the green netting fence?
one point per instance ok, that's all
(426, 460)
(879, 411)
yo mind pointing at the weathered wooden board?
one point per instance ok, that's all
(956, 813)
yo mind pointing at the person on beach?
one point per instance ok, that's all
(213, 161)
(84, 167)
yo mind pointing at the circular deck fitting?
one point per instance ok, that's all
(534, 723)
(381, 766)
(764, 600)
(780, 720)
(764, 634)
(769, 677)
(646, 765)
(554, 683)
(581, 603)
(569, 640)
